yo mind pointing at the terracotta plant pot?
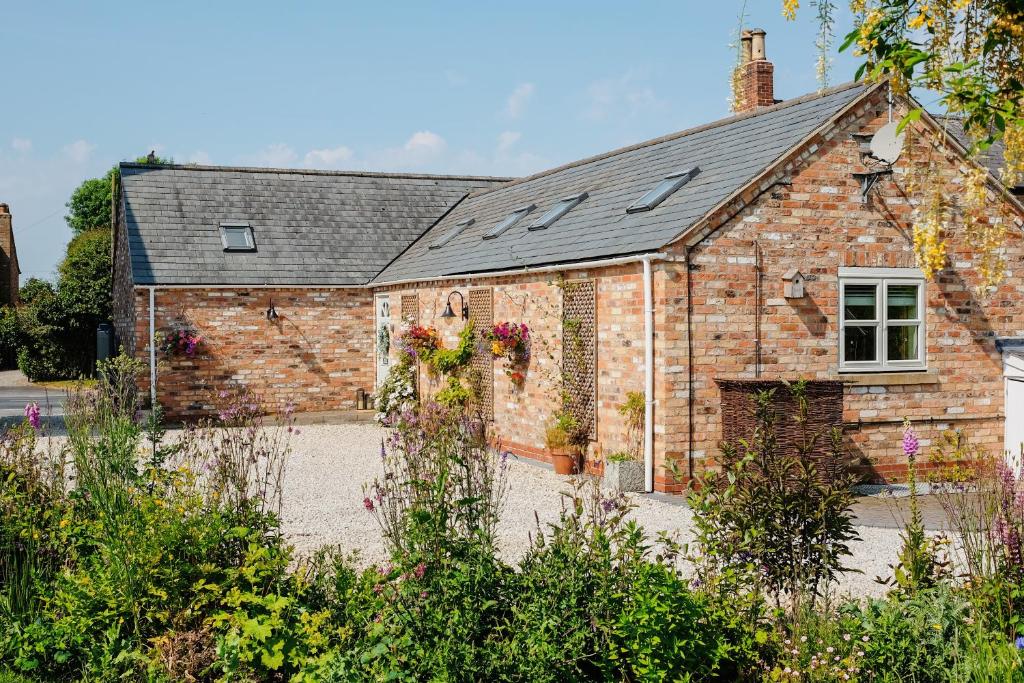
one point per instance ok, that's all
(566, 460)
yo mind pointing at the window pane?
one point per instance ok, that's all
(901, 302)
(902, 342)
(860, 344)
(859, 302)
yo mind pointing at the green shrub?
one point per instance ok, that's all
(10, 337)
(786, 513)
(591, 602)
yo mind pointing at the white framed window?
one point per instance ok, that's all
(881, 319)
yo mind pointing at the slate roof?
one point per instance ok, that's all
(730, 153)
(991, 158)
(310, 227)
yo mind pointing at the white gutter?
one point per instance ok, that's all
(580, 265)
(152, 348)
(648, 377)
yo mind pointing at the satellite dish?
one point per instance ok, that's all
(886, 145)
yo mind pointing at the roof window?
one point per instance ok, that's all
(563, 207)
(237, 237)
(509, 221)
(453, 233)
(663, 190)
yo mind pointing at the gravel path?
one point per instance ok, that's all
(330, 464)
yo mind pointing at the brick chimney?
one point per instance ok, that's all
(9, 270)
(756, 86)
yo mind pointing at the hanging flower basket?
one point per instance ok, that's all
(511, 341)
(183, 342)
(422, 341)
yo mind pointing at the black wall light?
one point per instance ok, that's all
(271, 312)
(449, 313)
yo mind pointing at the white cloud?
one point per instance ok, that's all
(425, 142)
(515, 106)
(22, 145)
(508, 138)
(624, 95)
(333, 157)
(423, 151)
(278, 155)
(199, 157)
(79, 151)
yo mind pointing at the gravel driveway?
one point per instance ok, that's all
(330, 464)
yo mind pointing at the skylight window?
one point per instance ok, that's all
(237, 237)
(563, 207)
(663, 190)
(453, 233)
(509, 221)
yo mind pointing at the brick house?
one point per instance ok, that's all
(9, 270)
(771, 245)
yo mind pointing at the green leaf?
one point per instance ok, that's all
(911, 116)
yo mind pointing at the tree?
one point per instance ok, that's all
(86, 278)
(970, 52)
(89, 206)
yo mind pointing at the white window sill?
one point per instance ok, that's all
(884, 379)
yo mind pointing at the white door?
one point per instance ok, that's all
(1013, 376)
(382, 337)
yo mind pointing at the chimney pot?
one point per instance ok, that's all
(745, 47)
(757, 44)
(5, 209)
(756, 87)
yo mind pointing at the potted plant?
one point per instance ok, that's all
(623, 470)
(561, 443)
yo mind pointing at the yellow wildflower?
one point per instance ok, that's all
(496, 348)
(789, 8)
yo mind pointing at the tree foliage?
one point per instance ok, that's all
(970, 52)
(89, 206)
(57, 324)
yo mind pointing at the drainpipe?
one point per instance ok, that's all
(648, 377)
(152, 348)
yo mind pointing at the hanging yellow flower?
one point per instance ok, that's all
(789, 8)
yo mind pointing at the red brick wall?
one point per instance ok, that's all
(314, 356)
(520, 414)
(817, 224)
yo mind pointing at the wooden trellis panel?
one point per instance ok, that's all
(410, 309)
(579, 351)
(824, 411)
(481, 312)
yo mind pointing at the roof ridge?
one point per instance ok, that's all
(311, 171)
(678, 134)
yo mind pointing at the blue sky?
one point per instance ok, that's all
(482, 88)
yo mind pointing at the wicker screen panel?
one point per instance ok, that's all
(410, 309)
(579, 351)
(824, 411)
(481, 312)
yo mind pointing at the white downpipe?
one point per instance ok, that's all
(152, 348)
(648, 377)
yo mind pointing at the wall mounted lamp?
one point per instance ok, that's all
(271, 312)
(449, 313)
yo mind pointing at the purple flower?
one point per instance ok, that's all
(420, 570)
(368, 504)
(32, 414)
(1019, 643)
(910, 442)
